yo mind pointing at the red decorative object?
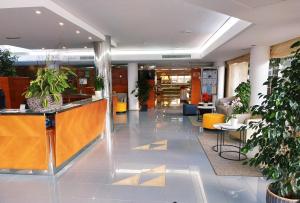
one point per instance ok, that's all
(206, 97)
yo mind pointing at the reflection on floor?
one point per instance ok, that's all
(159, 146)
(112, 172)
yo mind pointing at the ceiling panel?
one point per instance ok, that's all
(140, 24)
(30, 30)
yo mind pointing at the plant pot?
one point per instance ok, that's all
(234, 121)
(99, 94)
(144, 107)
(35, 104)
(205, 104)
(273, 198)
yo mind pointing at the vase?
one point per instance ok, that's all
(99, 94)
(273, 198)
(234, 121)
(35, 104)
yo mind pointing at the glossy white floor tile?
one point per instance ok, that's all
(188, 176)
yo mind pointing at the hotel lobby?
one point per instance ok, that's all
(170, 101)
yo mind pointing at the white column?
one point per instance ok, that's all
(132, 79)
(103, 65)
(259, 71)
(221, 79)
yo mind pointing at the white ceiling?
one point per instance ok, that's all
(40, 31)
(149, 24)
(274, 21)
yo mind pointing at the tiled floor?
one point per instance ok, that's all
(180, 170)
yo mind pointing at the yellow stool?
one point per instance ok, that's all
(209, 119)
(121, 107)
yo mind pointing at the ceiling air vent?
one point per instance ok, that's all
(86, 58)
(178, 56)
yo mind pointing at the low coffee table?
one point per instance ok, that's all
(223, 129)
(205, 109)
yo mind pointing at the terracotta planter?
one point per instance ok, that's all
(273, 198)
(35, 104)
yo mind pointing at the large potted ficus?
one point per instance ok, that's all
(45, 92)
(142, 92)
(277, 135)
(99, 86)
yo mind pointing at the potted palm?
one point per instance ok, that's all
(45, 92)
(277, 135)
(99, 86)
(142, 91)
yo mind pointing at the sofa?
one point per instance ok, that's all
(223, 106)
(189, 109)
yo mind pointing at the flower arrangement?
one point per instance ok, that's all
(206, 97)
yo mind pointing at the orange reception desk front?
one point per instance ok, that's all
(44, 143)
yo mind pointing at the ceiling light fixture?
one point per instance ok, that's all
(38, 12)
(85, 47)
(61, 24)
(64, 47)
(90, 38)
(77, 32)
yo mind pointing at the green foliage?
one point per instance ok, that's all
(99, 83)
(277, 135)
(6, 63)
(49, 82)
(241, 103)
(142, 90)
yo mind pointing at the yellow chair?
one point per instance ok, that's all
(122, 103)
(121, 107)
(209, 119)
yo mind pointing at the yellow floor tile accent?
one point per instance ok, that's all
(156, 146)
(156, 182)
(131, 181)
(160, 148)
(144, 147)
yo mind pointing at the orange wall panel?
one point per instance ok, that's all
(23, 146)
(76, 128)
(151, 100)
(195, 86)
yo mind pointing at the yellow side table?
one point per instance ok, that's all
(209, 119)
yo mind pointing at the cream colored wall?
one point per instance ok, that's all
(238, 72)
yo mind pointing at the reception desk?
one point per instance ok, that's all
(43, 143)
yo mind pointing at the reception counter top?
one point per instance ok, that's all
(65, 107)
(43, 143)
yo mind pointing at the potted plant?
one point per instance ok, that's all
(44, 93)
(142, 91)
(99, 86)
(6, 64)
(12, 86)
(240, 105)
(277, 135)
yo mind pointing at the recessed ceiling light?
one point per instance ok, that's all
(43, 48)
(77, 32)
(85, 47)
(90, 38)
(64, 47)
(38, 12)
(61, 23)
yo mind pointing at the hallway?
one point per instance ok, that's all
(155, 158)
